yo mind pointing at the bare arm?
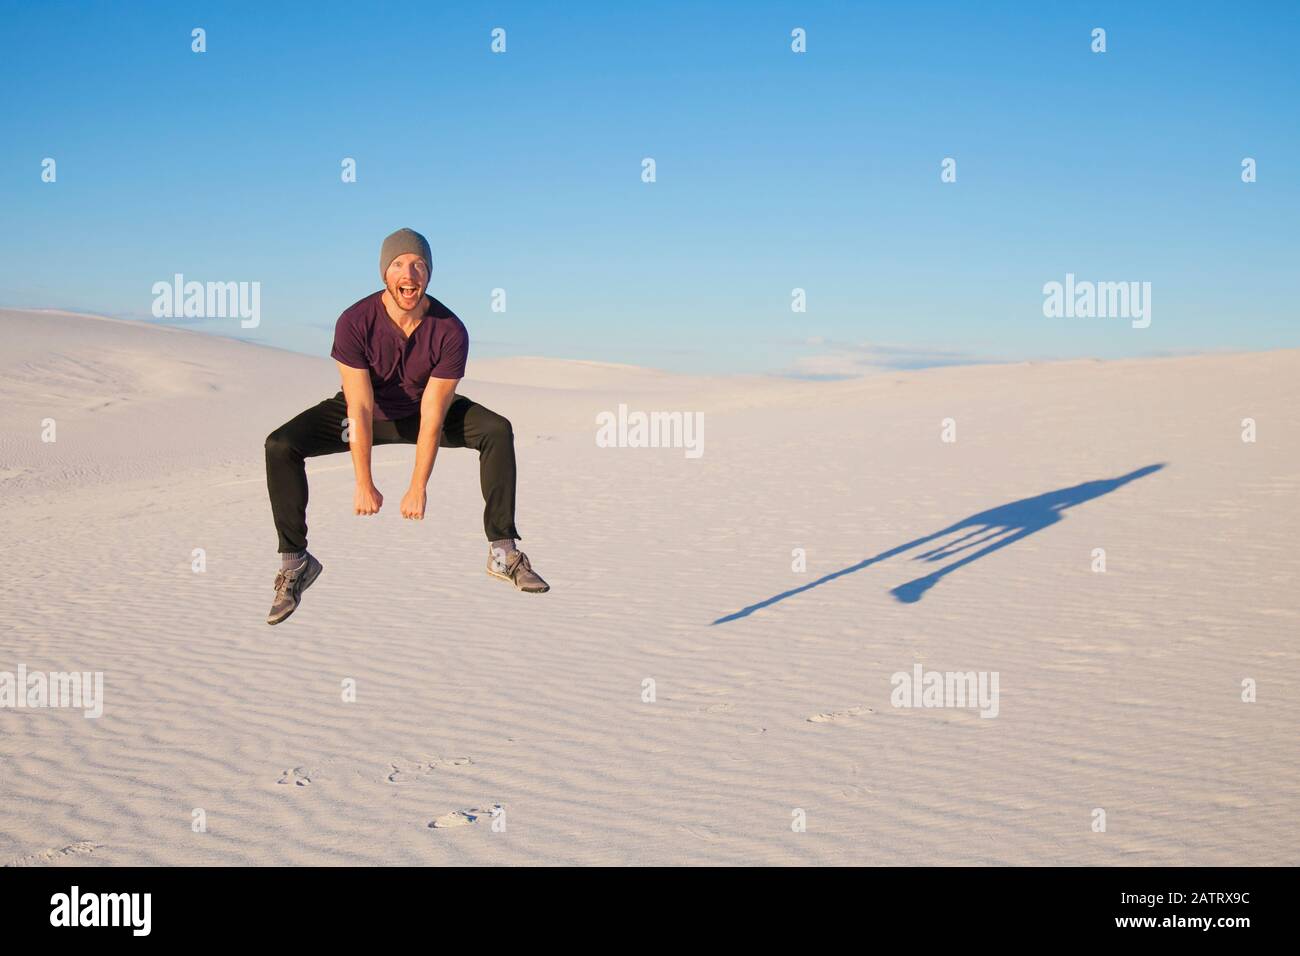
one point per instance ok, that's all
(438, 394)
(360, 397)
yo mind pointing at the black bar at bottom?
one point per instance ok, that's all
(334, 904)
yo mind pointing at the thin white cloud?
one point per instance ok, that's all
(834, 359)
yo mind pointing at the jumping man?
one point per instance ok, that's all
(401, 354)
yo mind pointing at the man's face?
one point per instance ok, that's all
(406, 279)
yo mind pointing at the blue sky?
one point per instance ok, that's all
(775, 170)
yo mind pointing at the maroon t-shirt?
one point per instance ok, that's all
(400, 367)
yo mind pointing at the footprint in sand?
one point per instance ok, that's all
(401, 771)
(855, 791)
(835, 715)
(298, 776)
(50, 856)
(699, 832)
(463, 818)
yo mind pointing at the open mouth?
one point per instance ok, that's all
(407, 291)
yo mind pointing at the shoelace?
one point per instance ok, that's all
(511, 565)
(283, 581)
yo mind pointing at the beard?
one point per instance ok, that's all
(404, 303)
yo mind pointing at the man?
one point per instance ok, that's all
(400, 354)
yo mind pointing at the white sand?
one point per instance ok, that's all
(1119, 691)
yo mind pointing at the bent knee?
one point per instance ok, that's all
(278, 444)
(498, 429)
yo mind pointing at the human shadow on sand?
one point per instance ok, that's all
(988, 531)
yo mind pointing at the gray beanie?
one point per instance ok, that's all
(399, 244)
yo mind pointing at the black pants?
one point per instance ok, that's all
(319, 431)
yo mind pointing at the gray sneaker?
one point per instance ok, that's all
(289, 585)
(514, 567)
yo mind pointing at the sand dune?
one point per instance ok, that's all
(1119, 691)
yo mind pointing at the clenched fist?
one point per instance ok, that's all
(367, 500)
(413, 503)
